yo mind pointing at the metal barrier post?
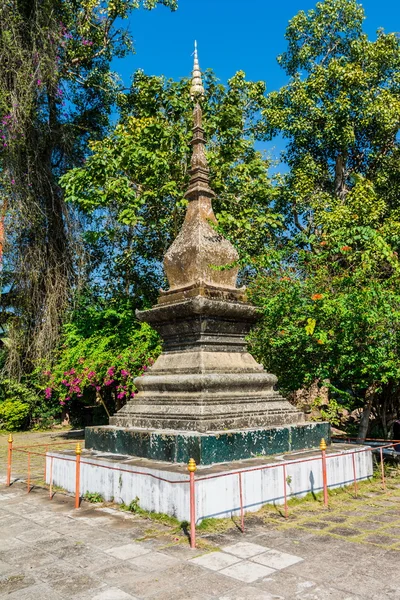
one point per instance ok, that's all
(354, 475)
(322, 447)
(45, 464)
(382, 470)
(192, 468)
(9, 459)
(29, 473)
(78, 452)
(241, 502)
(51, 479)
(285, 491)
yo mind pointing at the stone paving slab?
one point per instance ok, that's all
(216, 561)
(247, 571)
(245, 549)
(49, 550)
(276, 560)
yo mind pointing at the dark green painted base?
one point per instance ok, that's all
(207, 448)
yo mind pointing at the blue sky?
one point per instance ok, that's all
(232, 35)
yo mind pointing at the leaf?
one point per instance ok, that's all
(310, 327)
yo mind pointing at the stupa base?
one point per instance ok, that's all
(206, 448)
(164, 488)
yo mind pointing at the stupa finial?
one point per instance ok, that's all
(188, 262)
(196, 89)
(199, 178)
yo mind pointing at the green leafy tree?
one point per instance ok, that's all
(329, 291)
(56, 91)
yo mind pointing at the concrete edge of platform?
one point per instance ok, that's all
(217, 494)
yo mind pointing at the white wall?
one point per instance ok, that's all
(215, 497)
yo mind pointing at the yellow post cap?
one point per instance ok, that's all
(322, 445)
(78, 449)
(192, 465)
(10, 439)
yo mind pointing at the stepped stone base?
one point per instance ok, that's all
(205, 380)
(205, 397)
(205, 448)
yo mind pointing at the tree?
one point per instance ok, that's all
(56, 91)
(329, 291)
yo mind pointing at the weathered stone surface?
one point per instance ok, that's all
(206, 448)
(205, 380)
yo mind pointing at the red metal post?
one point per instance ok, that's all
(45, 463)
(285, 491)
(382, 470)
(354, 475)
(241, 502)
(51, 479)
(324, 474)
(9, 460)
(78, 452)
(29, 472)
(192, 468)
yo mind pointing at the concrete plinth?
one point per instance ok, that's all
(164, 488)
(205, 448)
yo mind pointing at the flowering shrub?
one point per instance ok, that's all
(100, 367)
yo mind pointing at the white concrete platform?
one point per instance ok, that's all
(164, 488)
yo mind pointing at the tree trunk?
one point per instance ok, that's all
(340, 176)
(364, 420)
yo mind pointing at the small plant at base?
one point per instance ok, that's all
(93, 497)
(133, 506)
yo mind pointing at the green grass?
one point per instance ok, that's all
(135, 508)
(212, 525)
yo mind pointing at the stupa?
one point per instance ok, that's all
(205, 396)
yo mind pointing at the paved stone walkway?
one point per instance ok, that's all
(48, 550)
